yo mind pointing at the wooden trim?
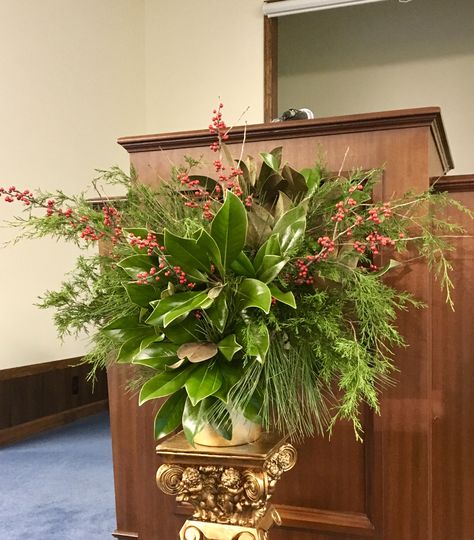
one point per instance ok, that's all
(325, 520)
(36, 369)
(454, 183)
(124, 535)
(334, 125)
(270, 68)
(28, 429)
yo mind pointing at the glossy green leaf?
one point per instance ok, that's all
(129, 349)
(390, 266)
(229, 228)
(229, 346)
(271, 162)
(242, 266)
(258, 341)
(271, 266)
(296, 182)
(313, 178)
(134, 264)
(156, 351)
(165, 384)
(194, 418)
(259, 229)
(168, 418)
(204, 381)
(124, 328)
(253, 409)
(231, 374)
(187, 330)
(287, 298)
(270, 247)
(170, 308)
(151, 339)
(142, 295)
(290, 228)
(210, 247)
(254, 293)
(187, 253)
(218, 313)
(283, 204)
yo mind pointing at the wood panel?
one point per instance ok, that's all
(380, 489)
(453, 384)
(41, 396)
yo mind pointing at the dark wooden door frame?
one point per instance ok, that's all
(270, 67)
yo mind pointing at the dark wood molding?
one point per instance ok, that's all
(326, 521)
(28, 429)
(36, 369)
(38, 397)
(454, 183)
(270, 67)
(124, 535)
(334, 125)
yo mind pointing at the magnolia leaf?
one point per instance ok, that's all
(134, 264)
(165, 384)
(271, 266)
(229, 346)
(217, 314)
(170, 308)
(193, 419)
(197, 352)
(283, 204)
(215, 292)
(209, 246)
(242, 266)
(187, 253)
(187, 331)
(271, 162)
(258, 341)
(253, 408)
(290, 228)
(124, 328)
(254, 293)
(287, 298)
(157, 355)
(296, 181)
(203, 382)
(176, 365)
(206, 182)
(129, 349)
(168, 418)
(151, 339)
(142, 295)
(270, 247)
(169, 291)
(229, 228)
(258, 229)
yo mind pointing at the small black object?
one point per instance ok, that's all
(297, 114)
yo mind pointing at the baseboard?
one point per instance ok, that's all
(28, 429)
(123, 535)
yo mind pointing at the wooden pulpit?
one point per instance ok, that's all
(403, 481)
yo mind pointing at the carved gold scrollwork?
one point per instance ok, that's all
(168, 478)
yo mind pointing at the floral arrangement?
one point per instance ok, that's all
(259, 290)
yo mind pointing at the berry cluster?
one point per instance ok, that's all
(219, 128)
(149, 243)
(12, 193)
(145, 278)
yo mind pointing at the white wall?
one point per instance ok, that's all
(71, 82)
(74, 76)
(197, 51)
(384, 56)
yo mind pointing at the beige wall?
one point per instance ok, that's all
(71, 82)
(384, 56)
(198, 51)
(75, 75)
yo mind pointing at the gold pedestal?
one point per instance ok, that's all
(228, 488)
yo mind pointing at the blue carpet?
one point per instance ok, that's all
(59, 486)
